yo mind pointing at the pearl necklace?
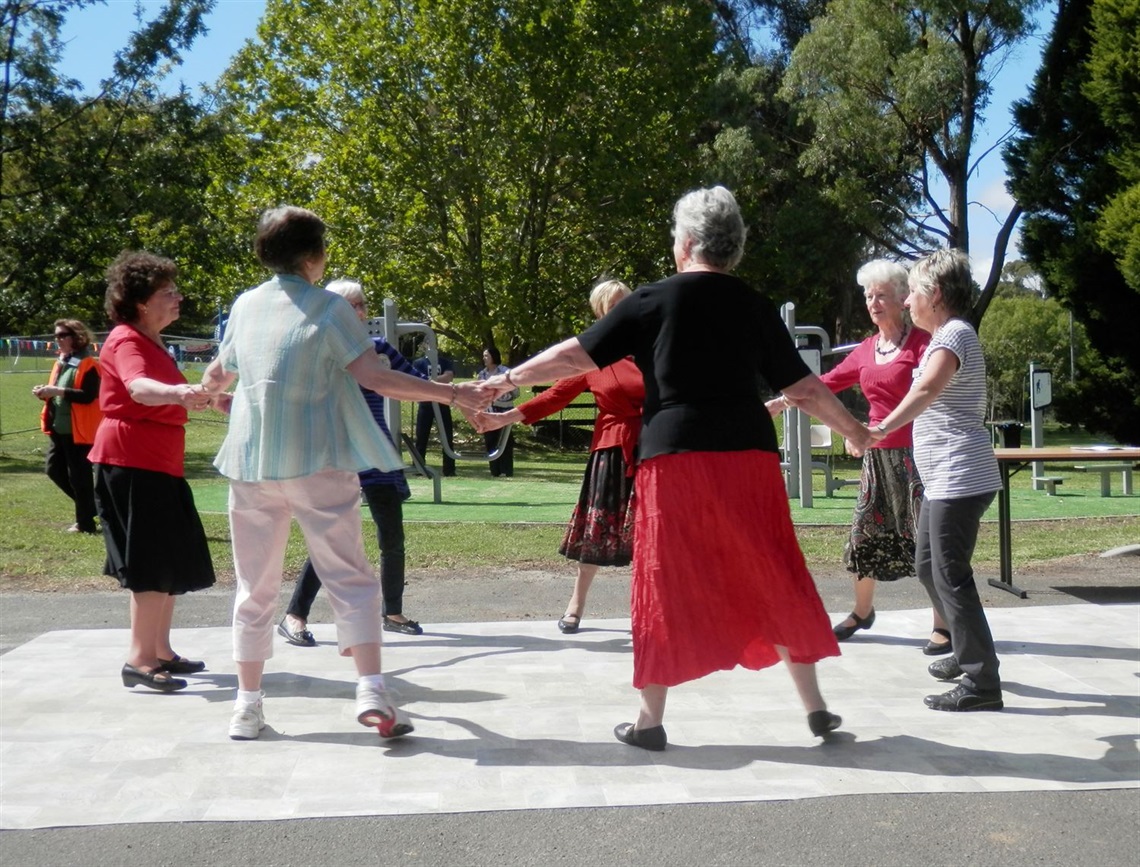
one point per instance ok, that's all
(885, 352)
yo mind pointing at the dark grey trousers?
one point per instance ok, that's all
(947, 534)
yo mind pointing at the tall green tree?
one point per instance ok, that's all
(1022, 326)
(1113, 85)
(1064, 168)
(85, 173)
(481, 162)
(891, 96)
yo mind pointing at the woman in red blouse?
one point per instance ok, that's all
(600, 532)
(156, 546)
(881, 545)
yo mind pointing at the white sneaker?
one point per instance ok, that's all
(374, 708)
(247, 722)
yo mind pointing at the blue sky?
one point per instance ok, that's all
(96, 32)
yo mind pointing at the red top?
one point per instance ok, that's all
(884, 385)
(131, 434)
(619, 392)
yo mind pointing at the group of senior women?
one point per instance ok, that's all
(718, 577)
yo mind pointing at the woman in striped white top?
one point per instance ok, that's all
(956, 462)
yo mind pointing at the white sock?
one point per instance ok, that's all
(248, 697)
(376, 680)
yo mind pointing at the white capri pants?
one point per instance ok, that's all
(327, 507)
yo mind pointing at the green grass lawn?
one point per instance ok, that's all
(520, 520)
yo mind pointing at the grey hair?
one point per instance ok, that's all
(605, 295)
(347, 289)
(948, 270)
(711, 220)
(883, 272)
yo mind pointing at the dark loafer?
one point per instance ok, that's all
(570, 623)
(408, 627)
(648, 739)
(842, 633)
(181, 665)
(821, 722)
(156, 680)
(300, 638)
(937, 648)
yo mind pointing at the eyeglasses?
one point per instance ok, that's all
(60, 335)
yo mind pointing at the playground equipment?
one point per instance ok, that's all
(389, 326)
(798, 442)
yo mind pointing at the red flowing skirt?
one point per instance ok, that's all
(718, 576)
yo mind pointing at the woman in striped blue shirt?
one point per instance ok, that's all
(955, 459)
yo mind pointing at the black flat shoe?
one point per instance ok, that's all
(648, 739)
(945, 669)
(408, 627)
(570, 623)
(964, 698)
(300, 638)
(842, 633)
(157, 679)
(821, 722)
(937, 648)
(181, 665)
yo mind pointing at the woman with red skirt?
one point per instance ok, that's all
(718, 576)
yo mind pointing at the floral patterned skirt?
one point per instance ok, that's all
(881, 545)
(601, 529)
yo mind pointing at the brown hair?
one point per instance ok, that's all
(287, 237)
(81, 336)
(131, 279)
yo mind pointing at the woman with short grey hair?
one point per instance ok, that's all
(955, 458)
(881, 544)
(718, 576)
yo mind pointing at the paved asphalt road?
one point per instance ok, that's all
(1063, 828)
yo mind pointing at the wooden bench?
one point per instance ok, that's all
(1050, 483)
(1106, 471)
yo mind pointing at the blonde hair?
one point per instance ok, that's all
(605, 295)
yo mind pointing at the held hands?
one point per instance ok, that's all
(874, 434)
(852, 449)
(499, 385)
(485, 422)
(192, 397)
(472, 396)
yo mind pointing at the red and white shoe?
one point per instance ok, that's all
(374, 708)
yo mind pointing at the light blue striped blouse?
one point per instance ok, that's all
(296, 410)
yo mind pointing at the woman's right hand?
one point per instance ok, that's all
(472, 396)
(192, 397)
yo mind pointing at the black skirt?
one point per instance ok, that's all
(601, 529)
(154, 537)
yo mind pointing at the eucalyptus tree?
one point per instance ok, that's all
(480, 162)
(86, 172)
(891, 95)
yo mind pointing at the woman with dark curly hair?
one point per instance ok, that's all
(156, 546)
(70, 417)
